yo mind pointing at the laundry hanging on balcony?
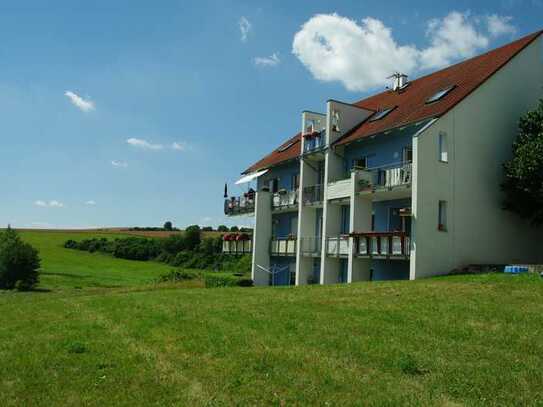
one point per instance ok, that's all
(251, 176)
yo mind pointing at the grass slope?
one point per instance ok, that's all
(463, 340)
(65, 268)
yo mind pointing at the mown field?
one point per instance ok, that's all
(66, 269)
(450, 341)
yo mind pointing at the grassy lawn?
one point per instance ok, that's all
(64, 268)
(453, 341)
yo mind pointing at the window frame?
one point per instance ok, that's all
(440, 94)
(381, 114)
(442, 207)
(443, 147)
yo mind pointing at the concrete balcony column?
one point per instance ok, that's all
(361, 213)
(262, 237)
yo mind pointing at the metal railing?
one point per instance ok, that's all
(313, 141)
(283, 246)
(239, 205)
(382, 244)
(311, 246)
(337, 246)
(285, 199)
(237, 246)
(389, 176)
(313, 194)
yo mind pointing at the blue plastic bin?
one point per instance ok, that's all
(515, 269)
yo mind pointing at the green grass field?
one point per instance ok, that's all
(64, 268)
(450, 341)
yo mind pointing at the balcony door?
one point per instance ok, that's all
(397, 222)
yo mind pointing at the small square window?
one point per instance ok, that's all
(443, 148)
(442, 216)
(361, 163)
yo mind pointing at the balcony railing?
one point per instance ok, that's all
(313, 194)
(337, 246)
(283, 246)
(239, 205)
(237, 247)
(382, 244)
(387, 177)
(311, 246)
(313, 141)
(285, 199)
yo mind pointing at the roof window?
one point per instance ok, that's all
(381, 114)
(440, 94)
(285, 147)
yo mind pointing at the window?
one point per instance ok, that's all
(285, 147)
(360, 163)
(274, 185)
(443, 148)
(407, 155)
(379, 115)
(442, 216)
(440, 94)
(295, 182)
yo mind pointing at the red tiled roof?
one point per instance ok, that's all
(411, 103)
(289, 150)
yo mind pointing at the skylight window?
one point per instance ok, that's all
(381, 114)
(440, 94)
(286, 147)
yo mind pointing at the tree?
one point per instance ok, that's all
(234, 229)
(523, 174)
(168, 226)
(207, 229)
(19, 262)
(222, 228)
(192, 237)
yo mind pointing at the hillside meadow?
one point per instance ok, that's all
(449, 341)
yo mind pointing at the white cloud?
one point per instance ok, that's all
(206, 219)
(90, 203)
(144, 144)
(244, 27)
(453, 37)
(50, 204)
(82, 104)
(361, 55)
(121, 164)
(500, 25)
(272, 60)
(179, 146)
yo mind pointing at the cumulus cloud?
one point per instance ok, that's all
(84, 105)
(500, 25)
(144, 144)
(452, 38)
(50, 204)
(90, 203)
(272, 60)
(244, 27)
(119, 164)
(361, 55)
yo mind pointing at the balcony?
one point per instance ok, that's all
(242, 205)
(313, 195)
(340, 189)
(237, 244)
(314, 141)
(285, 200)
(385, 177)
(337, 246)
(382, 245)
(311, 246)
(283, 246)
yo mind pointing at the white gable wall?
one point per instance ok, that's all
(480, 131)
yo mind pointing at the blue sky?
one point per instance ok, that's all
(125, 113)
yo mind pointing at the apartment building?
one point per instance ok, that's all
(403, 184)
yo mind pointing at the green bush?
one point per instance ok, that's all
(214, 280)
(19, 262)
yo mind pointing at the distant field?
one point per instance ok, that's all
(452, 341)
(122, 232)
(65, 268)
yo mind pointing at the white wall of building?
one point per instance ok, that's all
(480, 131)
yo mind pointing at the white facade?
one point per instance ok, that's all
(449, 193)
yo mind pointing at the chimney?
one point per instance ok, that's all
(400, 81)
